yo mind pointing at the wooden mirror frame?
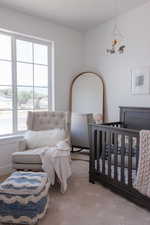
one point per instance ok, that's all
(71, 89)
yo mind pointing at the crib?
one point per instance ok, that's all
(114, 153)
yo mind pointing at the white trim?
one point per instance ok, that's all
(53, 76)
(33, 71)
(49, 78)
(6, 170)
(31, 63)
(14, 84)
(10, 139)
(10, 32)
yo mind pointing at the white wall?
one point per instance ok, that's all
(7, 147)
(68, 47)
(68, 60)
(116, 69)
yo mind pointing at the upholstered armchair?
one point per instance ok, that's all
(38, 121)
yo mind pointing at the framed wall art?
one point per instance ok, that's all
(140, 81)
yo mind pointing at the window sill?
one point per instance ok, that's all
(11, 138)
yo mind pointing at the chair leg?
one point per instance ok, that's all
(72, 149)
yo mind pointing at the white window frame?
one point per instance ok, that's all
(51, 97)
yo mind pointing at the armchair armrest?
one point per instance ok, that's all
(22, 145)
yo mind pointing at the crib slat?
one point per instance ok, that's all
(130, 161)
(122, 158)
(92, 154)
(137, 152)
(103, 152)
(98, 151)
(116, 157)
(109, 153)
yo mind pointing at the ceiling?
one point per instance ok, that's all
(78, 14)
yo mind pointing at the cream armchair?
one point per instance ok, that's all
(36, 121)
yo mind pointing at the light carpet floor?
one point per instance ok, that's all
(91, 204)
(80, 156)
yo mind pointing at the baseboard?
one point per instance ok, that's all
(6, 170)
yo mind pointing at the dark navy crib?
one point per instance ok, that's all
(114, 153)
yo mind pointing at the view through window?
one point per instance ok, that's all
(24, 80)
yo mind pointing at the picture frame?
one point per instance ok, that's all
(140, 81)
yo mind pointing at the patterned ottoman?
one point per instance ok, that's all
(24, 197)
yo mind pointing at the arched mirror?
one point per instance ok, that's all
(86, 104)
(87, 93)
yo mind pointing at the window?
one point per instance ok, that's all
(24, 80)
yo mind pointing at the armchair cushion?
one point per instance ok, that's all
(37, 139)
(29, 156)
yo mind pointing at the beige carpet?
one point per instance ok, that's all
(91, 204)
(80, 156)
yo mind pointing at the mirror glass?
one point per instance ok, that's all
(87, 94)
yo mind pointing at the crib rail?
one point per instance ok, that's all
(114, 124)
(114, 153)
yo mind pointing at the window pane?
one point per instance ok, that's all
(24, 74)
(5, 122)
(24, 51)
(5, 73)
(5, 47)
(40, 98)
(22, 119)
(25, 98)
(5, 97)
(40, 76)
(40, 54)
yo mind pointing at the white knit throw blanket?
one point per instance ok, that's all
(142, 183)
(56, 160)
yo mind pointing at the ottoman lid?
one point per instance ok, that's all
(24, 183)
